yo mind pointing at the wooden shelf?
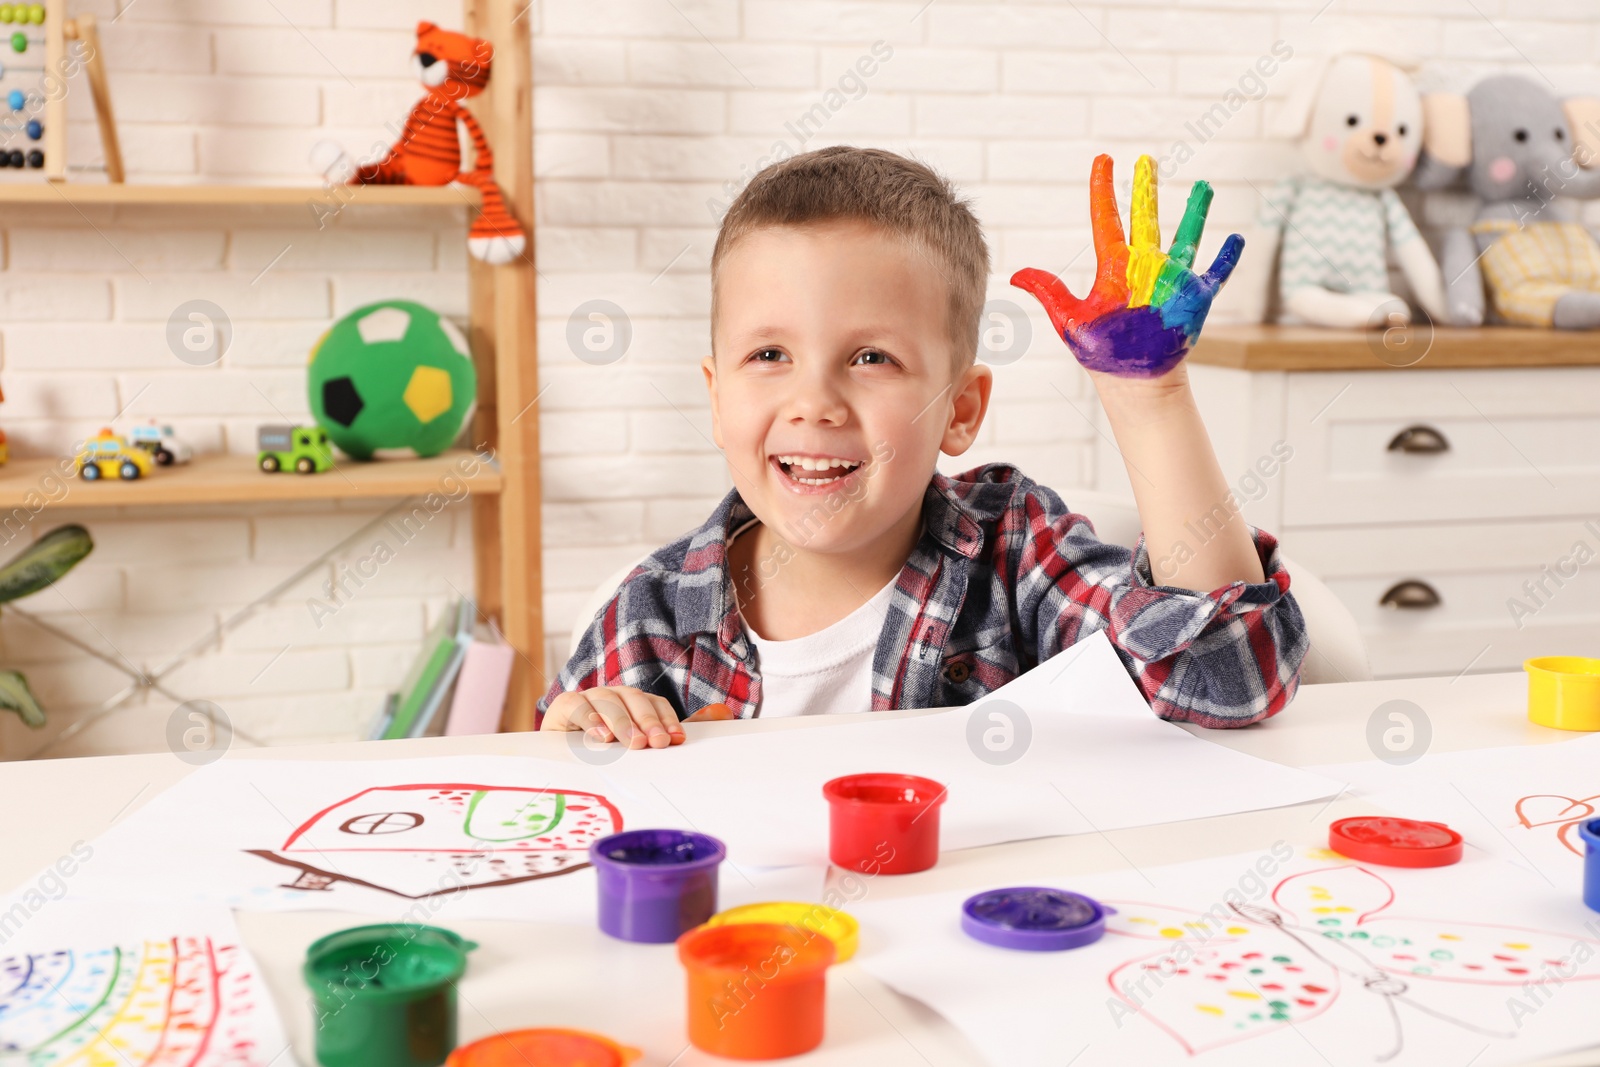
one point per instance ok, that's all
(1313, 348)
(79, 193)
(233, 479)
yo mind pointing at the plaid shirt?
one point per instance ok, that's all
(1003, 577)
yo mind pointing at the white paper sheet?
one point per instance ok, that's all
(1093, 758)
(1288, 956)
(1522, 804)
(425, 840)
(108, 984)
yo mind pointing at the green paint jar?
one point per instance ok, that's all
(385, 995)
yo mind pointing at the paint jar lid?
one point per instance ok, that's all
(1395, 842)
(547, 1047)
(1034, 919)
(835, 925)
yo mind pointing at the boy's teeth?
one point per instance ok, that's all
(810, 464)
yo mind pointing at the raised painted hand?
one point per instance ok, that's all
(1147, 307)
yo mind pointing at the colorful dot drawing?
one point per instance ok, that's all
(432, 839)
(1322, 935)
(1147, 307)
(187, 1000)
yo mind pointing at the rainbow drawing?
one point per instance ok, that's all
(1147, 306)
(186, 1001)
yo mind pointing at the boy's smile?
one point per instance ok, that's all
(834, 372)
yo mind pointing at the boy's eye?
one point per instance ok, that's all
(768, 355)
(871, 357)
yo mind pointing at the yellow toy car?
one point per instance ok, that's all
(108, 454)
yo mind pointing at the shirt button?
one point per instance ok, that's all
(958, 672)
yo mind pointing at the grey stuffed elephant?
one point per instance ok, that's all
(1525, 257)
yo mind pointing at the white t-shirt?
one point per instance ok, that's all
(824, 673)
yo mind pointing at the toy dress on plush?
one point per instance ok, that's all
(452, 67)
(1358, 122)
(1525, 258)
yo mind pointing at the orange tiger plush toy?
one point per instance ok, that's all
(452, 66)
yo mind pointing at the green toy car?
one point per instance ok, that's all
(301, 448)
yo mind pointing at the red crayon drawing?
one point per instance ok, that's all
(430, 840)
(1564, 813)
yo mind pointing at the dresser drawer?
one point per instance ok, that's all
(1436, 599)
(1441, 445)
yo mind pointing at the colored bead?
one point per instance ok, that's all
(7, 13)
(35, 159)
(5, 159)
(19, 42)
(35, 129)
(16, 100)
(36, 14)
(16, 158)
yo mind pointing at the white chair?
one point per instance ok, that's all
(1338, 652)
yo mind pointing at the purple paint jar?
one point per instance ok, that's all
(656, 884)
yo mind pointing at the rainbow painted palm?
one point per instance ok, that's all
(1147, 306)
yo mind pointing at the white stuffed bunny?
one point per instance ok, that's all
(1358, 122)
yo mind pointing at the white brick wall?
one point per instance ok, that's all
(645, 112)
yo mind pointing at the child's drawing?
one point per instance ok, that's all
(429, 840)
(1325, 936)
(1564, 813)
(157, 1003)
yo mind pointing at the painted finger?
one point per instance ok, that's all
(670, 731)
(1052, 292)
(1145, 258)
(1144, 216)
(713, 713)
(1227, 259)
(1103, 217)
(1193, 225)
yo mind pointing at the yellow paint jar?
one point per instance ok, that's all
(1564, 691)
(831, 923)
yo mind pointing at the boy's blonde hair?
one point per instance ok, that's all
(904, 197)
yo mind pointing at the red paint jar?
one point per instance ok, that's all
(884, 823)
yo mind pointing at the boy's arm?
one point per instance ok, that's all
(1178, 483)
(1202, 615)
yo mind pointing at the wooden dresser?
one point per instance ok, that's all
(1446, 487)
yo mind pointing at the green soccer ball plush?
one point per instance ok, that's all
(392, 376)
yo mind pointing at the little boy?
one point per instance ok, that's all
(843, 572)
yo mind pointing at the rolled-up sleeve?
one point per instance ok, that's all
(1226, 658)
(1229, 657)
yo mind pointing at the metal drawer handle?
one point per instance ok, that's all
(1412, 594)
(1422, 440)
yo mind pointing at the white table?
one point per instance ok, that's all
(543, 974)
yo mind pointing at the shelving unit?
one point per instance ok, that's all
(505, 495)
(234, 479)
(1297, 348)
(81, 194)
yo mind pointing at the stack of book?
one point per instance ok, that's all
(457, 684)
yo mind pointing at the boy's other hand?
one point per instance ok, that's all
(618, 713)
(1147, 307)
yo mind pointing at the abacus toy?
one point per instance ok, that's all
(33, 117)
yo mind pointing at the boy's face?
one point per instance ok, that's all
(831, 343)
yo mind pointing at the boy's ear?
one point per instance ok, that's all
(968, 404)
(708, 367)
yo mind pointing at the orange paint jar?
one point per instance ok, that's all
(756, 990)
